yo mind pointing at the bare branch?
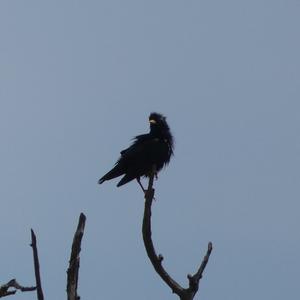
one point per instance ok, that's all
(74, 263)
(156, 260)
(12, 286)
(4, 289)
(39, 289)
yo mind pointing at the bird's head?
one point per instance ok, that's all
(158, 123)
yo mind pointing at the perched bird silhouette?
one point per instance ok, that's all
(152, 149)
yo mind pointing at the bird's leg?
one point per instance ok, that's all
(139, 182)
(144, 190)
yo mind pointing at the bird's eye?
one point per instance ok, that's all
(152, 121)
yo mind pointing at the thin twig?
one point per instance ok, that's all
(195, 279)
(74, 263)
(4, 289)
(39, 289)
(156, 260)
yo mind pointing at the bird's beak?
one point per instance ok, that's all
(152, 121)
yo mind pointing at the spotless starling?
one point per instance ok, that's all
(153, 149)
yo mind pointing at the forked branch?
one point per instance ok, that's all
(156, 260)
(11, 287)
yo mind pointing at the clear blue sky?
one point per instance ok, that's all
(78, 80)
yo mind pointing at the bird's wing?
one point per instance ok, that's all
(139, 142)
(139, 149)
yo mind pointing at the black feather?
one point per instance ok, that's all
(154, 148)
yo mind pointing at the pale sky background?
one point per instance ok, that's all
(78, 80)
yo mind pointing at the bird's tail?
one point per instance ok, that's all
(126, 179)
(113, 173)
(101, 180)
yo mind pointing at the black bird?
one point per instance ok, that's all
(152, 149)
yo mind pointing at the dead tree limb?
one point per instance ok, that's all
(12, 286)
(156, 260)
(39, 289)
(74, 263)
(5, 289)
